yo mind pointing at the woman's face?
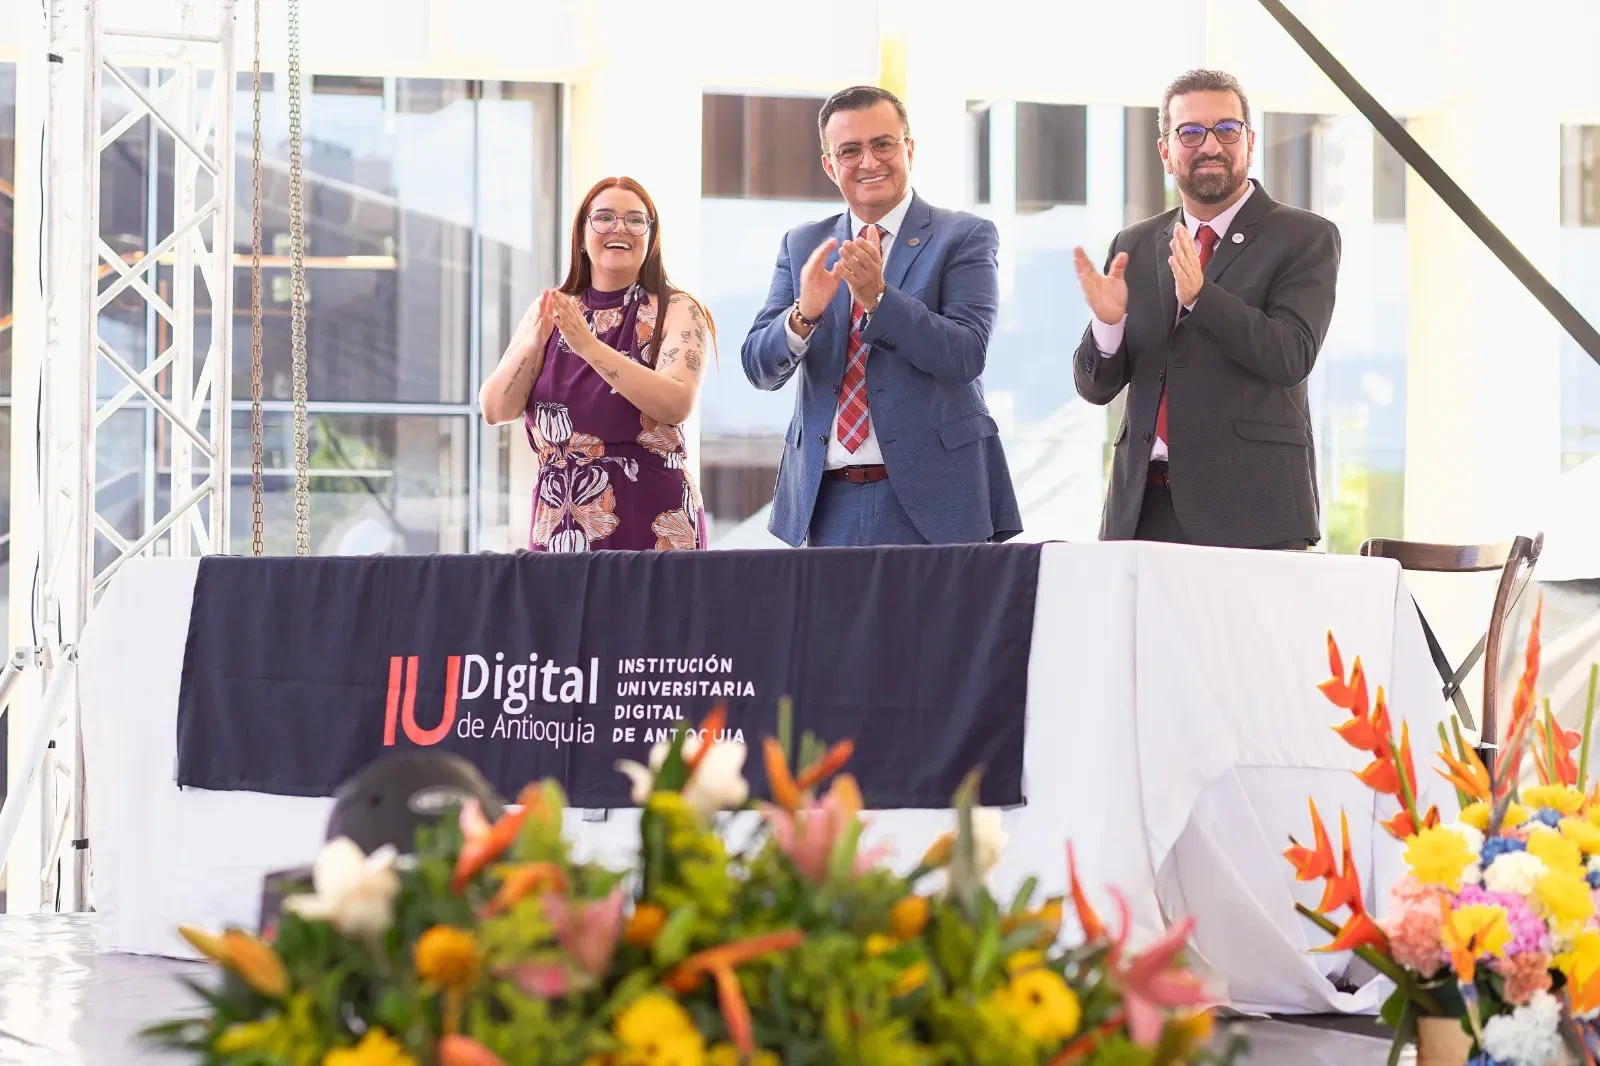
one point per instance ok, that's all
(619, 249)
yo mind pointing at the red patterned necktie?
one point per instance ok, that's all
(854, 420)
(1208, 243)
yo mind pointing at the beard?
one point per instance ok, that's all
(1213, 186)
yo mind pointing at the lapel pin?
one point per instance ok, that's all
(913, 241)
(1238, 238)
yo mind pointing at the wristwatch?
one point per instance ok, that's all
(797, 313)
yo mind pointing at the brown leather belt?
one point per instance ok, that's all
(859, 475)
(1159, 476)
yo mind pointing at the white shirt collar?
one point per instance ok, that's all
(890, 222)
(1223, 222)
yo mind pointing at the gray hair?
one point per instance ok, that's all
(1199, 81)
(859, 98)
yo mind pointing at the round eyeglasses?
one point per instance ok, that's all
(852, 155)
(635, 222)
(1193, 134)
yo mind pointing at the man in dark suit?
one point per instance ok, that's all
(1212, 316)
(884, 311)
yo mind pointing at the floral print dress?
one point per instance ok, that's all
(610, 476)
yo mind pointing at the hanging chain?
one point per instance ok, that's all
(297, 284)
(256, 547)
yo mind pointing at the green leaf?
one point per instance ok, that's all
(786, 729)
(1404, 1031)
(674, 772)
(1394, 1007)
(988, 953)
(842, 862)
(965, 879)
(1024, 896)
(672, 943)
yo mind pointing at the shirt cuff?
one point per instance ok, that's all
(1108, 338)
(797, 343)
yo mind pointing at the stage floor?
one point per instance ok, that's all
(64, 1004)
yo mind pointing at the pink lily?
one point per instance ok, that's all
(1151, 985)
(542, 980)
(587, 932)
(809, 835)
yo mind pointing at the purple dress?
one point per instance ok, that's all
(610, 476)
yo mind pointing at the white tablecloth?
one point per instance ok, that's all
(1174, 733)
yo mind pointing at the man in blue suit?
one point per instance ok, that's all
(885, 312)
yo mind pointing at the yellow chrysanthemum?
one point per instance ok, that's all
(1043, 1006)
(1583, 833)
(655, 1030)
(447, 958)
(1562, 798)
(1566, 898)
(728, 1055)
(1483, 926)
(244, 1036)
(878, 944)
(911, 978)
(1477, 816)
(1023, 961)
(1557, 852)
(377, 1048)
(1438, 856)
(1583, 960)
(909, 916)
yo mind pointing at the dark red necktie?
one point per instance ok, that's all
(1208, 243)
(853, 418)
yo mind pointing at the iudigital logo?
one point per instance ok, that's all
(517, 687)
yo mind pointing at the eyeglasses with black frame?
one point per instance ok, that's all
(1193, 134)
(852, 155)
(635, 222)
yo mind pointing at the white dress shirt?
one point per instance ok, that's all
(869, 454)
(1109, 338)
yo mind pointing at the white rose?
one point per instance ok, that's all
(1514, 873)
(718, 783)
(353, 892)
(988, 838)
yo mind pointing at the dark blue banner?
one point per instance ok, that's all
(298, 672)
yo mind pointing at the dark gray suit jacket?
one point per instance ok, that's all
(1243, 467)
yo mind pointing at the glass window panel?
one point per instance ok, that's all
(762, 148)
(1052, 155)
(388, 228)
(380, 483)
(1146, 188)
(520, 239)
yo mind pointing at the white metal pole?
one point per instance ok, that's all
(221, 356)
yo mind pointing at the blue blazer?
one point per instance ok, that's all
(929, 339)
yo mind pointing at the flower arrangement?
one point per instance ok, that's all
(493, 946)
(1495, 924)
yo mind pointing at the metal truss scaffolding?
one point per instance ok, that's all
(174, 68)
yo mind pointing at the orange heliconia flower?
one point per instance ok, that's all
(1093, 928)
(719, 963)
(1523, 707)
(1316, 862)
(788, 790)
(484, 845)
(521, 880)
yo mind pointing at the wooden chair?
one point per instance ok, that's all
(1515, 559)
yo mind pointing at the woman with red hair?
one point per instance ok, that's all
(603, 380)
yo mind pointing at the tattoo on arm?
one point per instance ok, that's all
(516, 375)
(668, 357)
(691, 359)
(609, 375)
